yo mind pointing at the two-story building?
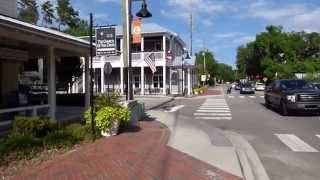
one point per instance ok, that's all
(169, 51)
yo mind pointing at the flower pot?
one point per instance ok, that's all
(201, 92)
(113, 131)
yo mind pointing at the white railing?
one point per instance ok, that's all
(135, 57)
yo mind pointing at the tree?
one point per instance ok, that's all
(80, 29)
(210, 66)
(66, 14)
(28, 11)
(47, 11)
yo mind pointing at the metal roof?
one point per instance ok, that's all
(11, 22)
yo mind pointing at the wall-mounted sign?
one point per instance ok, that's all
(136, 33)
(106, 41)
(203, 78)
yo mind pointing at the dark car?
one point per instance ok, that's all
(317, 85)
(246, 88)
(237, 87)
(292, 95)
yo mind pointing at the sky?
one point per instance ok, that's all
(219, 25)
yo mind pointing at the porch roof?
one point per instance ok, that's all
(14, 29)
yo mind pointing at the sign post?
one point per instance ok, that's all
(106, 41)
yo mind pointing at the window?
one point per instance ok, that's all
(157, 81)
(136, 48)
(136, 81)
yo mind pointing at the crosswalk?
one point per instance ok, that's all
(213, 109)
(295, 143)
(244, 96)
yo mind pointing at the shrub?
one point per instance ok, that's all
(22, 146)
(106, 116)
(104, 100)
(78, 131)
(35, 126)
(59, 139)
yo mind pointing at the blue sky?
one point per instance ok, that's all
(219, 25)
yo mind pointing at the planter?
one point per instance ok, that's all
(201, 91)
(113, 131)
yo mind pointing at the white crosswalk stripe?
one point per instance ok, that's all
(295, 143)
(213, 109)
(318, 135)
(243, 97)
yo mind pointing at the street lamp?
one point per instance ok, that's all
(127, 17)
(187, 56)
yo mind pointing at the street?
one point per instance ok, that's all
(287, 146)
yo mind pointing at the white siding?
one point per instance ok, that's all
(8, 8)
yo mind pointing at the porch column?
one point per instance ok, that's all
(121, 81)
(164, 71)
(170, 80)
(52, 83)
(83, 61)
(87, 82)
(189, 82)
(102, 80)
(142, 65)
(142, 80)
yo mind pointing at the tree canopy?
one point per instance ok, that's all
(47, 11)
(28, 11)
(279, 54)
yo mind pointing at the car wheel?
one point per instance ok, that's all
(284, 109)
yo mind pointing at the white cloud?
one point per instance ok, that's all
(243, 40)
(227, 35)
(108, 1)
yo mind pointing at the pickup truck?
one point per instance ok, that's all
(292, 95)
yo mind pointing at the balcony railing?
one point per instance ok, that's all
(135, 57)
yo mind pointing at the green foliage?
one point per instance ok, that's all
(81, 28)
(275, 52)
(28, 11)
(103, 100)
(37, 126)
(105, 117)
(47, 11)
(18, 147)
(78, 131)
(66, 14)
(59, 139)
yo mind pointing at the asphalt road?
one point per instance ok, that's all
(289, 147)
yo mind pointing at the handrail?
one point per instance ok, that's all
(23, 108)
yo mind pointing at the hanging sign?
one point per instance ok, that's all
(107, 68)
(106, 41)
(136, 34)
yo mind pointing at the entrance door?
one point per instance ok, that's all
(136, 81)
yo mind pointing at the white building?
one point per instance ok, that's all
(167, 80)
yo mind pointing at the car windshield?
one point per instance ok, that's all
(297, 84)
(246, 85)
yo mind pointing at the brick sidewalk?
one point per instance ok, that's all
(210, 91)
(136, 155)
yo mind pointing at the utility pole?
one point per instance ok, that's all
(191, 32)
(127, 17)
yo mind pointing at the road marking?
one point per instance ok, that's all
(176, 108)
(231, 97)
(295, 143)
(222, 106)
(208, 106)
(212, 114)
(214, 111)
(214, 104)
(318, 135)
(241, 97)
(215, 108)
(252, 96)
(215, 118)
(262, 96)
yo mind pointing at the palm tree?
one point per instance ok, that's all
(28, 11)
(48, 13)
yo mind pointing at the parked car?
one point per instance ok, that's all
(317, 85)
(292, 95)
(259, 86)
(246, 88)
(237, 87)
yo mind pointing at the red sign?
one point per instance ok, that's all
(136, 34)
(169, 56)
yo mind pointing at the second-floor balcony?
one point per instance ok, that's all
(135, 57)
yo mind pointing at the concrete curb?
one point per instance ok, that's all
(250, 162)
(160, 104)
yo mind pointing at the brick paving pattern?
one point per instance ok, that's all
(133, 155)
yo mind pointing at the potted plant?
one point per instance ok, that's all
(108, 119)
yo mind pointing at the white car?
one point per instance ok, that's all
(260, 87)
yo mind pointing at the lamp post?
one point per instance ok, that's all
(127, 19)
(182, 68)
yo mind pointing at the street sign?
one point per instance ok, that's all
(106, 41)
(203, 78)
(107, 69)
